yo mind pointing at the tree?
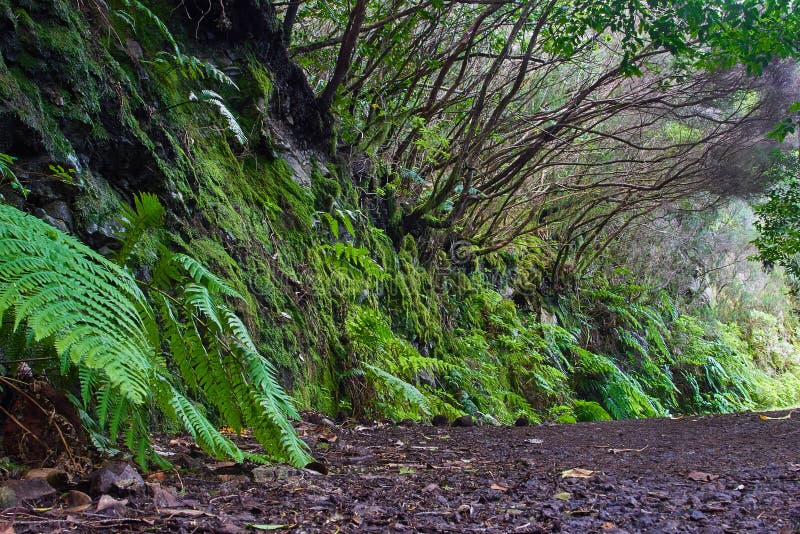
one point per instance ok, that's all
(482, 109)
(779, 219)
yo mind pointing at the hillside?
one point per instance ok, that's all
(488, 209)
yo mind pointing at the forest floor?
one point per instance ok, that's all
(724, 473)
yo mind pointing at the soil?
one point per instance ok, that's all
(724, 473)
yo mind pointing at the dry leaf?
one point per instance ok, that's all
(157, 477)
(498, 487)
(77, 501)
(766, 418)
(700, 476)
(563, 496)
(577, 472)
(6, 527)
(107, 501)
(608, 525)
(534, 441)
(220, 465)
(617, 451)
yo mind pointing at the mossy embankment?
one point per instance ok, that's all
(356, 316)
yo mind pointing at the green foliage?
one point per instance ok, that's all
(392, 364)
(218, 103)
(146, 214)
(173, 65)
(346, 256)
(589, 411)
(101, 324)
(779, 218)
(6, 174)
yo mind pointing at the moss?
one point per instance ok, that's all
(325, 191)
(23, 96)
(589, 411)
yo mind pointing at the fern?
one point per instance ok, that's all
(216, 101)
(147, 213)
(214, 350)
(99, 322)
(6, 162)
(87, 305)
(409, 392)
(356, 260)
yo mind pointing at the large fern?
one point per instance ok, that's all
(100, 323)
(91, 310)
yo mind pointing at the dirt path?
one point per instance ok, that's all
(732, 473)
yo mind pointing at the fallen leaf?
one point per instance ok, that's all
(534, 441)
(431, 488)
(794, 467)
(317, 467)
(76, 501)
(563, 496)
(498, 487)
(107, 501)
(55, 477)
(6, 527)
(220, 465)
(270, 526)
(700, 476)
(617, 451)
(157, 477)
(608, 525)
(766, 418)
(577, 472)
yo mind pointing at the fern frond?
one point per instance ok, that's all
(146, 214)
(202, 430)
(59, 287)
(156, 21)
(200, 298)
(201, 275)
(217, 102)
(409, 392)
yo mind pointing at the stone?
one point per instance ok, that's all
(59, 210)
(300, 174)
(522, 421)
(43, 215)
(8, 499)
(270, 473)
(30, 489)
(116, 477)
(440, 420)
(464, 421)
(55, 477)
(133, 48)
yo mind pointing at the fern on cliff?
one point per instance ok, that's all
(102, 325)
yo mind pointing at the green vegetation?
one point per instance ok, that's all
(519, 212)
(103, 329)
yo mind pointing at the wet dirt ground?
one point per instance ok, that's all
(724, 473)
